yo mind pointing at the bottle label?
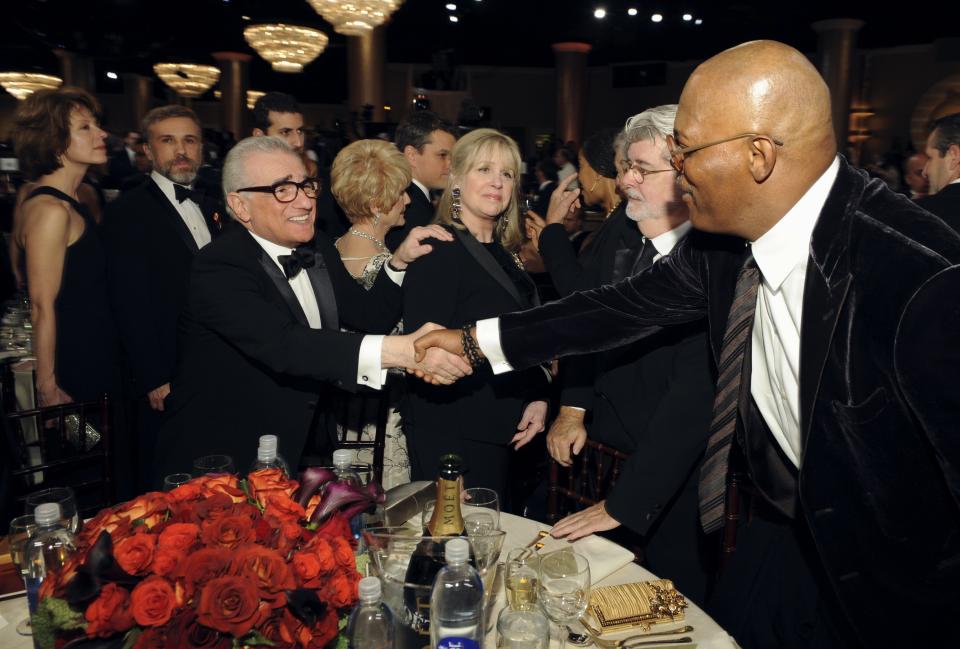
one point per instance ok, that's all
(458, 643)
(447, 519)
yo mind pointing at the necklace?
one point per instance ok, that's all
(369, 237)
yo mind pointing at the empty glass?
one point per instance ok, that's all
(213, 465)
(481, 511)
(174, 480)
(63, 496)
(527, 629)
(564, 588)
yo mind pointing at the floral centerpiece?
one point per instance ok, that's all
(216, 563)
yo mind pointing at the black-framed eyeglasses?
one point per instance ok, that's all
(286, 191)
(638, 173)
(678, 154)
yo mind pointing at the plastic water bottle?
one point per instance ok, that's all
(343, 467)
(48, 548)
(456, 603)
(371, 623)
(267, 457)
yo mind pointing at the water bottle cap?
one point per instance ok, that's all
(457, 550)
(268, 442)
(47, 513)
(369, 588)
(342, 458)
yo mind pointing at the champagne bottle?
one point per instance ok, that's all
(427, 559)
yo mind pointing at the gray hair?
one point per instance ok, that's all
(652, 125)
(234, 166)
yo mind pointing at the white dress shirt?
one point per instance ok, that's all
(370, 371)
(423, 188)
(188, 210)
(782, 254)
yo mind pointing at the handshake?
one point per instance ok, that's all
(432, 353)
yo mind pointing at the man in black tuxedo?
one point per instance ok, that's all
(123, 163)
(839, 322)
(425, 140)
(943, 171)
(260, 345)
(650, 399)
(546, 174)
(151, 234)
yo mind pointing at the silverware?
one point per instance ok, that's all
(538, 539)
(637, 640)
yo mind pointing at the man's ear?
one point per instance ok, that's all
(953, 157)
(411, 154)
(238, 207)
(763, 158)
(258, 132)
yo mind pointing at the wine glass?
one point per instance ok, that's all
(63, 496)
(174, 480)
(481, 511)
(213, 465)
(21, 528)
(523, 574)
(564, 588)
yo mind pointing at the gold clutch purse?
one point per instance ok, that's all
(637, 605)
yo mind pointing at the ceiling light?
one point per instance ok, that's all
(22, 84)
(632, 11)
(454, 19)
(687, 17)
(111, 75)
(253, 96)
(245, 17)
(188, 79)
(287, 47)
(451, 6)
(698, 21)
(355, 17)
(600, 13)
(657, 18)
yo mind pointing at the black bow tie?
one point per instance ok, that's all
(302, 257)
(183, 193)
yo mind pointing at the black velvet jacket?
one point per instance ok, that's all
(879, 483)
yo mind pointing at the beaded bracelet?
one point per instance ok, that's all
(470, 347)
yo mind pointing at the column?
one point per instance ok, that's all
(76, 70)
(234, 82)
(138, 92)
(571, 64)
(366, 65)
(835, 51)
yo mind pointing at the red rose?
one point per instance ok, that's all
(166, 561)
(268, 482)
(325, 630)
(224, 484)
(110, 613)
(211, 508)
(322, 548)
(202, 566)
(274, 631)
(135, 553)
(152, 639)
(190, 634)
(268, 570)
(151, 508)
(231, 605)
(228, 531)
(179, 536)
(343, 552)
(282, 506)
(337, 526)
(306, 566)
(186, 492)
(338, 591)
(153, 601)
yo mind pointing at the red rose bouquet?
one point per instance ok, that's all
(216, 563)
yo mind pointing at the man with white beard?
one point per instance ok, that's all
(650, 399)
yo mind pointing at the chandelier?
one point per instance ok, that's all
(188, 79)
(355, 17)
(253, 96)
(287, 47)
(22, 84)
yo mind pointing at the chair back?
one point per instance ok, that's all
(587, 482)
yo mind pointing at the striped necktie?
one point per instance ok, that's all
(713, 474)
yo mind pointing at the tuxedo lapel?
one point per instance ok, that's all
(323, 289)
(172, 217)
(489, 264)
(276, 275)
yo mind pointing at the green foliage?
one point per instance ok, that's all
(54, 615)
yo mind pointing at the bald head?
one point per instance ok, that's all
(766, 88)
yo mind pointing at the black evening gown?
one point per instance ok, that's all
(86, 339)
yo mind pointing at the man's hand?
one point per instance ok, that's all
(585, 522)
(436, 365)
(534, 225)
(446, 339)
(50, 394)
(567, 433)
(562, 201)
(412, 248)
(157, 395)
(532, 422)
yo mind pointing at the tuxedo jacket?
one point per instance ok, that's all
(542, 201)
(419, 212)
(249, 364)
(945, 204)
(149, 253)
(879, 484)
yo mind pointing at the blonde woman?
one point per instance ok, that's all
(368, 179)
(477, 275)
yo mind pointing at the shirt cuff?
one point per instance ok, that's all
(488, 338)
(396, 275)
(370, 371)
(577, 408)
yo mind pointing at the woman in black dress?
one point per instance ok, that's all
(57, 138)
(477, 275)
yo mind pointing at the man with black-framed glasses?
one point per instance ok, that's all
(260, 346)
(833, 321)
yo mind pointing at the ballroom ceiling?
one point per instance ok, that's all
(130, 35)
